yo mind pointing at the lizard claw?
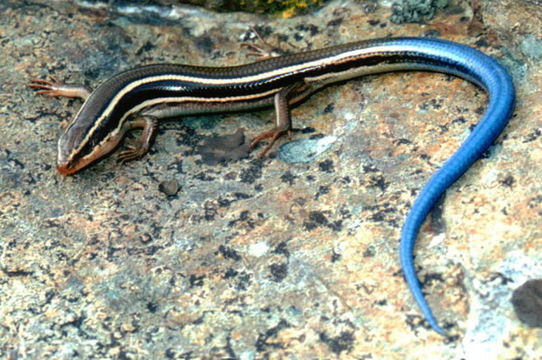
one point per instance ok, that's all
(50, 87)
(273, 135)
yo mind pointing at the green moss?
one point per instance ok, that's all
(284, 8)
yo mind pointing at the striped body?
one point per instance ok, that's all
(162, 91)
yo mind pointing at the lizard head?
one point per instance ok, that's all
(89, 137)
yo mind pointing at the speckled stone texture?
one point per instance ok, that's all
(293, 256)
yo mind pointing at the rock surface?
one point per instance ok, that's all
(291, 256)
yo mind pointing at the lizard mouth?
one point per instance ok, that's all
(71, 167)
(66, 169)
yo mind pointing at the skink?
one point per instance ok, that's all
(138, 98)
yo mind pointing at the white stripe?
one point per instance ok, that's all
(276, 73)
